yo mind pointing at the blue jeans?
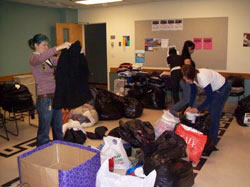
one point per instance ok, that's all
(216, 107)
(48, 117)
(186, 92)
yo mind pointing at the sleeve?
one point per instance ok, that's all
(209, 94)
(38, 59)
(193, 94)
(54, 60)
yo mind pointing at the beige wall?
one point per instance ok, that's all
(120, 21)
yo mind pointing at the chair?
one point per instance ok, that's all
(238, 86)
(2, 125)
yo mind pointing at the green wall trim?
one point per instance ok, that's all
(20, 22)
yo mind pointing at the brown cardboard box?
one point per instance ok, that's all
(59, 164)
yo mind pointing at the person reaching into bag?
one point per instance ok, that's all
(217, 90)
(42, 63)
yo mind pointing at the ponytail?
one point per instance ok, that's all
(37, 39)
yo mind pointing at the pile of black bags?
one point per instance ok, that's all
(242, 108)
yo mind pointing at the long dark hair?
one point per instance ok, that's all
(185, 50)
(37, 39)
(189, 71)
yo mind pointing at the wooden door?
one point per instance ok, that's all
(68, 32)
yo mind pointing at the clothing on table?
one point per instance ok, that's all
(45, 82)
(71, 79)
(175, 62)
(217, 90)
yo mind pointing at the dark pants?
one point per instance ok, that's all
(48, 117)
(175, 84)
(216, 107)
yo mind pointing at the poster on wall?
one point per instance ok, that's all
(164, 25)
(164, 43)
(157, 43)
(126, 40)
(207, 43)
(149, 44)
(139, 56)
(171, 25)
(155, 25)
(246, 40)
(198, 43)
(178, 24)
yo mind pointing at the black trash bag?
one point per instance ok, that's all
(167, 147)
(156, 80)
(183, 173)
(137, 132)
(132, 108)
(141, 78)
(164, 177)
(108, 105)
(16, 98)
(154, 98)
(242, 108)
(75, 136)
(137, 92)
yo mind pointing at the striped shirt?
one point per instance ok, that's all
(43, 73)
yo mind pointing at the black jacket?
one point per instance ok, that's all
(71, 79)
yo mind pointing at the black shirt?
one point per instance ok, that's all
(175, 60)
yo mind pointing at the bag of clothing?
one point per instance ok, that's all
(113, 147)
(136, 132)
(105, 178)
(195, 141)
(75, 135)
(154, 98)
(15, 97)
(242, 110)
(108, 105)
(132, 107)
(167, 122)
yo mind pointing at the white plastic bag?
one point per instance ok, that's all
(167, 122)
(105, 178)
(113, 147)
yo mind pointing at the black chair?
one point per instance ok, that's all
(238, 86)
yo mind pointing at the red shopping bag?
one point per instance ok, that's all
(195, 141)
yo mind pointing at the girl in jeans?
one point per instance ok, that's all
(217, 90)
(187, 50)
(42, 63)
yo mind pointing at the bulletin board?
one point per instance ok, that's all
(215, 28)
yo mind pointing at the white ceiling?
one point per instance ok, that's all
(72, 4)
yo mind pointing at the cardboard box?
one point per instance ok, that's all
(59, 163)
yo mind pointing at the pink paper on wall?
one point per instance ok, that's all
(207, 43)
(198, 43)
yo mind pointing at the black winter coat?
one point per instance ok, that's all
(71, 79)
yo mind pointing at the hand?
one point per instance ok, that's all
(187, 109)
(65, 45)
(193, 110)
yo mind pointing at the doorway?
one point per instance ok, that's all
(96, 53)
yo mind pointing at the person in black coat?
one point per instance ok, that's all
(175, 63)
(71, 79)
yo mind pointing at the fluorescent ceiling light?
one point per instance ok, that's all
(91, 2)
